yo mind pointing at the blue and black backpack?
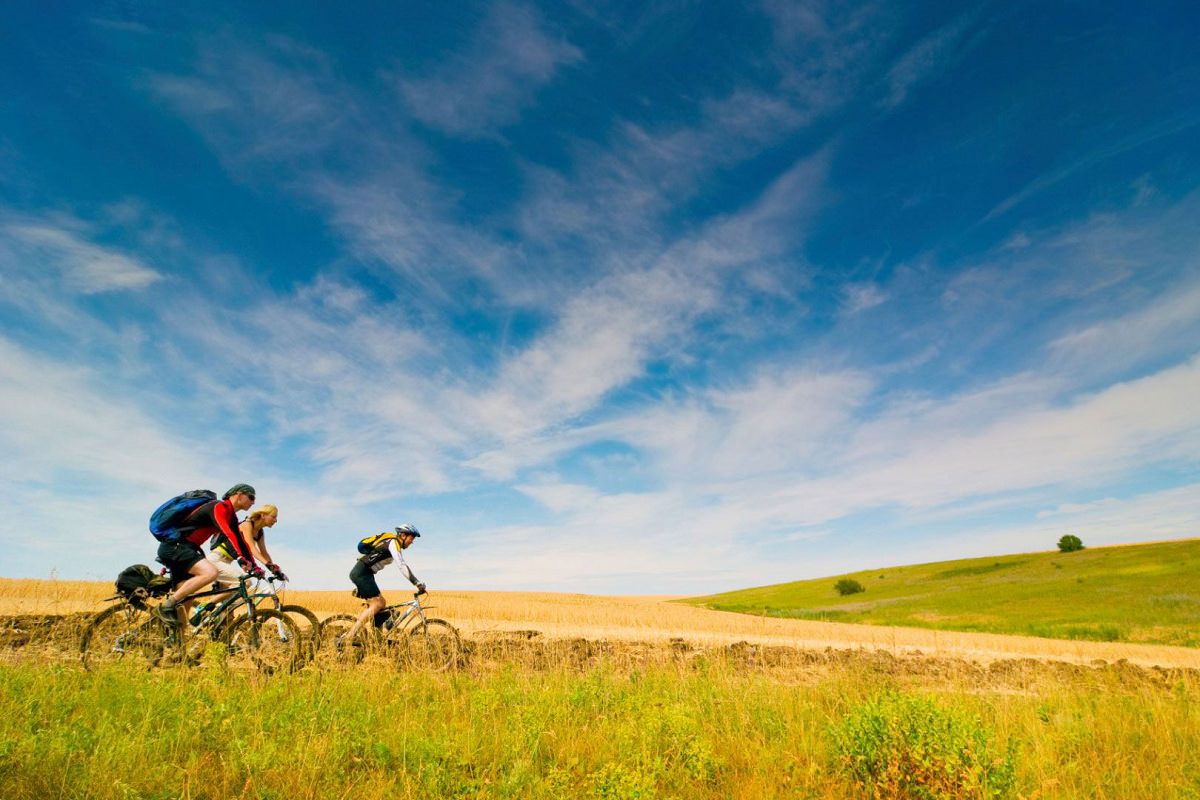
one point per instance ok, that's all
(166, 523)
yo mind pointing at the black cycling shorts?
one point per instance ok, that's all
(179, 557)
(364, 581)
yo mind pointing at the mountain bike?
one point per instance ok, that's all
(262, 639)
(306, 623)
(402, 636)
(129, 631)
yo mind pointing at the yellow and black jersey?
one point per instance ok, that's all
(377, 554)
(223, 546)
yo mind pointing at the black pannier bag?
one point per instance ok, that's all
(137, 582)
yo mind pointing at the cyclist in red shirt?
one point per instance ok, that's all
(183, 556)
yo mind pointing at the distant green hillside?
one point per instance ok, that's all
(1133, 593)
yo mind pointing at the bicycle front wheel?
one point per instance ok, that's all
(433, 645)
(269, 643)
(308, 625)
(122, 633)
(334, 648)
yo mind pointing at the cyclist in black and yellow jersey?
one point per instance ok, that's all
(376, 554)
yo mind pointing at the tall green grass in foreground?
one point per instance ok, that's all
(1147, 593)
(701, 730)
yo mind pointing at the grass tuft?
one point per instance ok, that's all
(902, 746)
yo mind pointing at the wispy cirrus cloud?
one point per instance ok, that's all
(730, 468)
(57, 420)
(935, 53)
(279, 101)
(1169, 322)
(486, 85)
(622, 188)
(283, 106)
(279, 115)
(986, 441)
(62, 245)
(604, 337)
(1132, 140)
(1093, 438)
(859, 297)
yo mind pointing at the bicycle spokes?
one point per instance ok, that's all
(433, 645)
(268, 643)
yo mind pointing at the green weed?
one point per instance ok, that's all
(905, 746)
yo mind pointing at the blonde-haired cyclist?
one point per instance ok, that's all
(253, 530)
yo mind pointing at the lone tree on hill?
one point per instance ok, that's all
(1070, 543)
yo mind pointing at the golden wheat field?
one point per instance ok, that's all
(650, 618)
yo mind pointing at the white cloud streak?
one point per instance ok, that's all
(85, 267)
(56, 420)
(933, 54)
(487, 85)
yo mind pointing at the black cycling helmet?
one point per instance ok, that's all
(407, 530)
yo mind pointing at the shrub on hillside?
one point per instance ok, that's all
(1070, 543)
(848, 586)
(905, 746)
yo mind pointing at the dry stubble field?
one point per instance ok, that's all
(652, 619)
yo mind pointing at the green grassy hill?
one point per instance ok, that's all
(1133, 593)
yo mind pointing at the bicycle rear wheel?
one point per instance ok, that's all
(122, 633)
(268, 643)
(308, 625)
(333, 649)
(433, 645)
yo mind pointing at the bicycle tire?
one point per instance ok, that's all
(337, 621)
(258, 644)
(119, 634)
(433, 645)
(327, 654)
(308, 624)
(163, 643)
(213, 630)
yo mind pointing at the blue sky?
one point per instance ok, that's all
(655, 297)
